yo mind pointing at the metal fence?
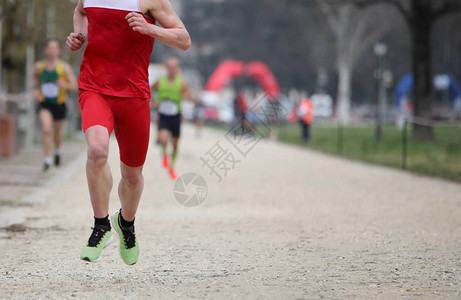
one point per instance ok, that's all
(440, 157)
(422, 122)
(396, 148)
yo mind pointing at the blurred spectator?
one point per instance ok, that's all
(306, 117)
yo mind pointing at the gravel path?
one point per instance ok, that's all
(285, 223)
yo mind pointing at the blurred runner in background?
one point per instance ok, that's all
(199, 117)
(171, 90)
(240, 106)
(51, 79)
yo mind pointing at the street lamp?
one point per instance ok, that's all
(380, 50)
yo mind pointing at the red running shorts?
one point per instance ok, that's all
(128, 117)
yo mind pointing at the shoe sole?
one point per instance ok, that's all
(100, 256)
(112, 221)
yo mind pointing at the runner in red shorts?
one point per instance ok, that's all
(115, 96)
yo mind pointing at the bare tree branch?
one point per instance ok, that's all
(396, 3)
(345, 21)
(447, 8)
(331, 17)
(368, 42)
(361, 27)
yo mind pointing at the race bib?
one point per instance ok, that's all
(169, 108)
(50, 90)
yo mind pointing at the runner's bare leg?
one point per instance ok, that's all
(57, 133)
(163, 136)
(46, 120)
(130, 190)
(175, 143)
(97, 170)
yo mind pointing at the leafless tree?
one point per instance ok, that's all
(355, 32)
(26, 25)
(420, 16)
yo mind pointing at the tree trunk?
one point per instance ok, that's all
(422, 91)
(343, 104)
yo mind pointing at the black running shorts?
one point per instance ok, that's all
(58, 111)
(170, 123)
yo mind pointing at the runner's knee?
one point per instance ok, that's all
(46, 130)
(163, 140)
(97, 153)
(132, 177)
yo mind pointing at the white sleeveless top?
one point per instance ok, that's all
(126, 5)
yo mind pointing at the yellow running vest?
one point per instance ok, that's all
(50, 92)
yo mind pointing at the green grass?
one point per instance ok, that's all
(440, 158)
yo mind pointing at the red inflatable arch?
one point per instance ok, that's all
(221, 76)
(232, 69)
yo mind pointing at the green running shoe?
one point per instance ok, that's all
(128, 247)
(47, 168)
(100, 238)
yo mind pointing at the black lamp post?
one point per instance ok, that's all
(380, 50)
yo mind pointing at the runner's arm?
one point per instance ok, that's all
(75, 40)
(71, 83)
(154, 89)
(186, 93)
(173, 33)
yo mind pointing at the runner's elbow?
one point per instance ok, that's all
(74, 87)
(79, 11)
(186, 44)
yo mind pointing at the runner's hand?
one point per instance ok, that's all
(138, 23)
(74, 41)
(62, 84)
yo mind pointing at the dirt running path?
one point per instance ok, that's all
(286, 223)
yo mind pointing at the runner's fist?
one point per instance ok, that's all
(75, 41)
(137, 23)
(62, 83)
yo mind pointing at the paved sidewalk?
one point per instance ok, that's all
(285, 223)
(21, 175)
